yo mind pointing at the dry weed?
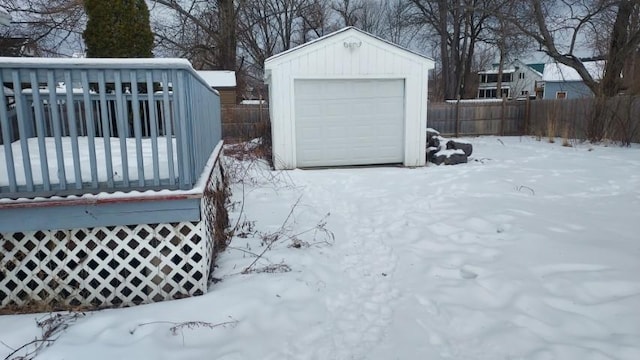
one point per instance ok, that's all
(52, 325)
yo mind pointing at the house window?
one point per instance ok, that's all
(524, 93)
(561, 95)
(481, 94)
(506, 77)
(505, 92)
(521, 76)
(483, 78)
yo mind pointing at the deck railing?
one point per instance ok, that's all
(76, 126)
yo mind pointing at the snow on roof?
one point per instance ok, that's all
(513, 67)
(219, 78)
(561, 72)
(253, 102)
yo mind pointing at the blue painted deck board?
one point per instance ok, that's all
(87, 215)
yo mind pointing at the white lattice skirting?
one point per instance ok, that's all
(112, 265)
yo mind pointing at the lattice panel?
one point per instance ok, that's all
(106, 266)
(114, 265)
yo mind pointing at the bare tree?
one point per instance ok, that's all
(459, 26)
(397, 25)
(202, 31)
(348, 11)
(389, 19)
(268, 27)
(503, 35)
(316, 21)
(561, 27)
(53, 27)
(372, 16)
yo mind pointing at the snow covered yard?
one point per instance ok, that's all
(531, 252)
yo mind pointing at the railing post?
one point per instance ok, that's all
(6, 139)
(153, 127)
(22, 128)
(123, 129)
(73, 129)
(57, 130)
(137, 126)
(168, 119)
(182, 130)
(106, 128)
(91, 128)
(40, 131)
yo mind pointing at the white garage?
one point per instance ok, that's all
(348, 98)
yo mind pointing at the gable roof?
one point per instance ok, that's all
(560, 72)
(513, 66)
(537, 67)
(344, 30)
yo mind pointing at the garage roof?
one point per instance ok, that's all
(288, 53)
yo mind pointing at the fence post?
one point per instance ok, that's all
(527, 114)
(457, 130)
(504, 105)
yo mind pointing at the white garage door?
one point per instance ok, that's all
(349, 122)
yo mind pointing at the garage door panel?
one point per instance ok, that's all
(349, 122)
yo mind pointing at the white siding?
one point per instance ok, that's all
(328, 58)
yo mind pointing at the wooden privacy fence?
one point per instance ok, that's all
(478, 118)
(620, 120)
(569, 118)
(245, 122)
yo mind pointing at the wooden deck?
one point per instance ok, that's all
(111, 186)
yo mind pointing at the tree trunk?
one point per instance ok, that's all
(227, 39)
(611, 83)
(500, 71)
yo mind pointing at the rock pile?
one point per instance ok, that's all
(445, 151)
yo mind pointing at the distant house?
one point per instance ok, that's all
(519, 80)
(224, 81)
(563, 82)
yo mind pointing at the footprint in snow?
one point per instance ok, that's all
(467, 274)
